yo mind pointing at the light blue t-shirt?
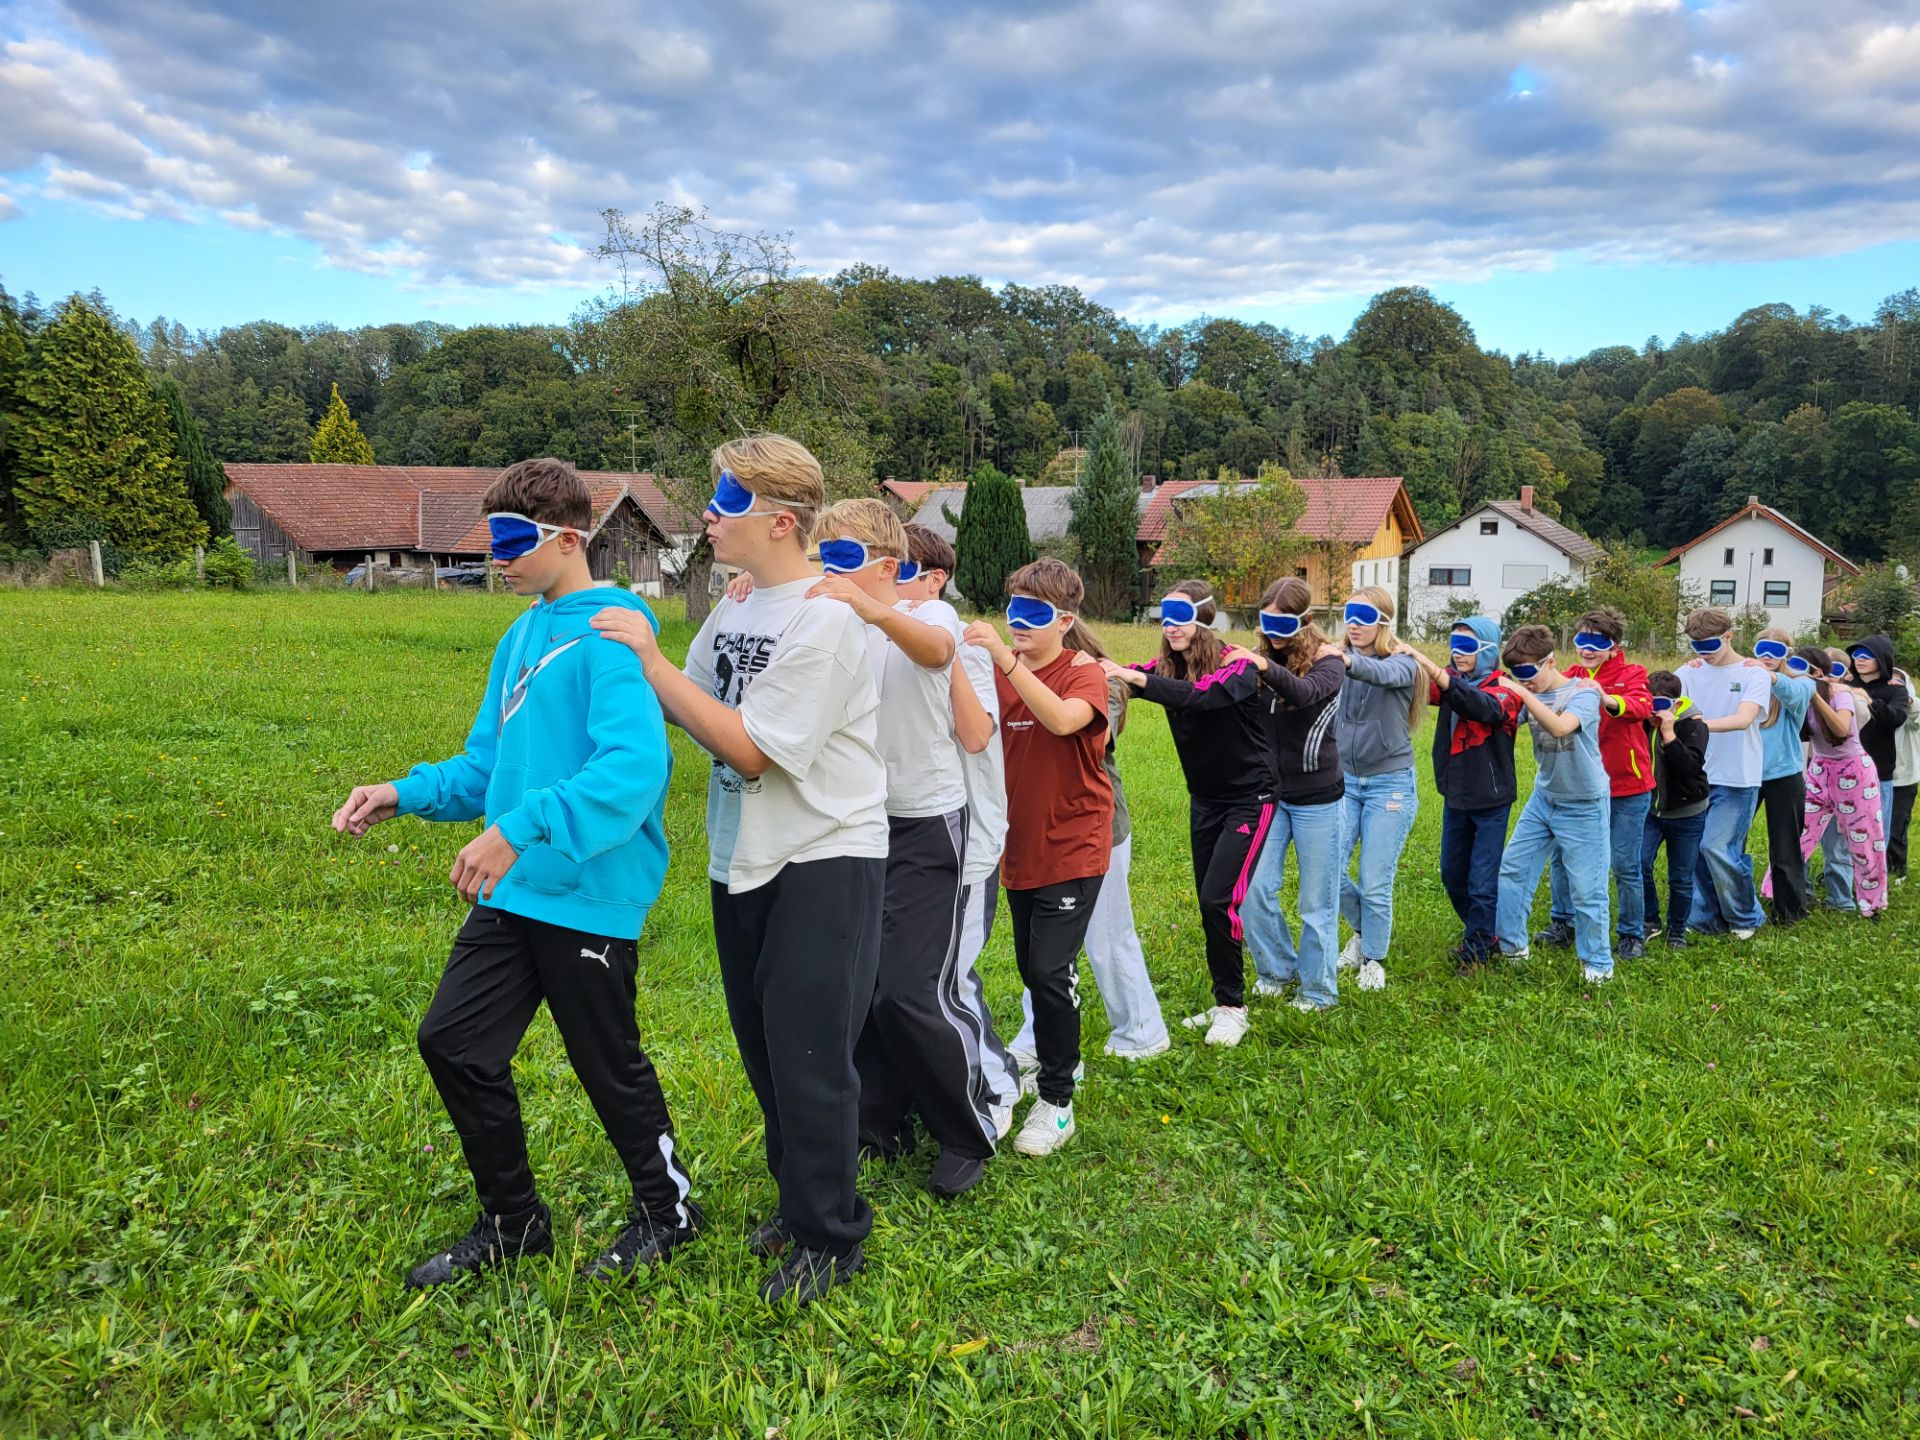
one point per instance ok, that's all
(1567, 767)
(1780, 742)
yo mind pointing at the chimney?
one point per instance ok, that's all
(1753, 499)
(1526, 497)
(1147, 484)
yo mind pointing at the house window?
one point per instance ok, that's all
(1766, 556)
(1720, 592)
(1726, 556)
(1299, 572)
(1449, 575)
(1779, 592)
(1489, 527)
(1522, 577)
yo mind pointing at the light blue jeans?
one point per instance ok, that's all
(1626, 821)
(1314, 832)
(1724, 897)
(1573, 832)
(1376, 818)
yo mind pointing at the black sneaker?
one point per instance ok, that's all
(955, 1174)
(1629, 947)
(644, 1242)
(807, 1275)
(1557, 936)
(1677, 940)
(771, 1240)
(493, 1240)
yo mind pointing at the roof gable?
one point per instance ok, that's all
(1754, 510)
(1564, 538)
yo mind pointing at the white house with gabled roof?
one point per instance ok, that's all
(1758, 557)
(1489, 558)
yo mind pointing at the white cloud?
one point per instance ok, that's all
(1162, 155)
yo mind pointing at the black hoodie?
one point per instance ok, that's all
(1889, 711)
(1217, 730)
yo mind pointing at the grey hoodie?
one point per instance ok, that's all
(1371, 728)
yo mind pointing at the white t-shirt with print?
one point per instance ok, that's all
(796, 670)
(986, 776)
(917, 739)
(1734, 757)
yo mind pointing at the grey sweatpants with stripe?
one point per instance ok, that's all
(923, 1044)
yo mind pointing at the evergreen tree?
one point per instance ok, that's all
(1105, 524)
(13, 382)
(206, 481)
(990, 540)
(97, 456)
(338, 440)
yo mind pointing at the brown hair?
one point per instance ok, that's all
(1528, 645)
(1707, 622)
(1293, 596)
(1664, 682)
(928, 550)
(550, 491)
(1605, 621)
(1203, 652)
(1057, 583)
(872, 522)
(779, 469)
(1817, 659)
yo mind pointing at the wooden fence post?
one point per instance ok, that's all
(293, 577)
(369, 573)
(200, 563)
(99, 570)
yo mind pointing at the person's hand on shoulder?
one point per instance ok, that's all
(982, 635)
(632, 629)
(740, 587)
(838, 587)
(1252, 657)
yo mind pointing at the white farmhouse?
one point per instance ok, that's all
(1491, 557)
(1758, 557)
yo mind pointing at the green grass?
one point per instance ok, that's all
(1496, 1207)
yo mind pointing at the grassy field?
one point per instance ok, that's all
(1502, 1206)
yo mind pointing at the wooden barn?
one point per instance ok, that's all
(415, 517)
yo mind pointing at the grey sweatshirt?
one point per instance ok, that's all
(1371, 728)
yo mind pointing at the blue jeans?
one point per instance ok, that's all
(1682, 837)
(1836, 869)
(1314, 833)
(1376, 818)
(1723, 894)
(1470, 845)
(1575, 831)
(1626, 819)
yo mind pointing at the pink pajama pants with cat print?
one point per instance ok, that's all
(1846, 793)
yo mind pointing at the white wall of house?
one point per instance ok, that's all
(1492, 569)
(1755, 562)
(1382, 572)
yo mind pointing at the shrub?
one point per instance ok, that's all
(228, 566)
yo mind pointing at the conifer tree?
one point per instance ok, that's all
(97, 453)
(338, 440)
(990, 540)
(1106, 510)
(206, 481)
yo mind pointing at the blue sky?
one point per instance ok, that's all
(1568, 175)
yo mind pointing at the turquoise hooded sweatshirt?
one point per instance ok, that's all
(569, 757)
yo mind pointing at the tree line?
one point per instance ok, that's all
(705, 332)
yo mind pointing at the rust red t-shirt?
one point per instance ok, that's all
(1059, 800)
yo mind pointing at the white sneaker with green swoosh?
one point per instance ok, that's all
(1047, 1128)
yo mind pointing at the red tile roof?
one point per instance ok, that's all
(414, 507)
(912, 492)
(1353, 506)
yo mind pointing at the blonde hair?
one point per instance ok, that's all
(1383, 644)
(1774, 632)
(779, 469)
(869, 521)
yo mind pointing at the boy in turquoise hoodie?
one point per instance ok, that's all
(567, 763)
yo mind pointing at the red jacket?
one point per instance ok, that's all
(1625, 709)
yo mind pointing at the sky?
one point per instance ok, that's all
(1568, 175)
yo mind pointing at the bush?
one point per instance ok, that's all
(1439, 624)
(228, 566)
(159, 575)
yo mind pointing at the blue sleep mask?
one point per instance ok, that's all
(1026, 613)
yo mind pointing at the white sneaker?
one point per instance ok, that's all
(1373, 976)
(1200, 1021)
(1002, 1117)
(1309, 1007)
(1743, 934)
(1229, 1025)
(1523, 953)
(1271, 989)
(1596, 977)
(1048, 1127)
(1159, 1047)
(1350, 956)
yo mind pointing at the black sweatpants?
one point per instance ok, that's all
(501, 968)
(1049, 927)
(922, 1045)
(1226, 836)
(797, 961)
(1785, 801)
(1897, 841)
